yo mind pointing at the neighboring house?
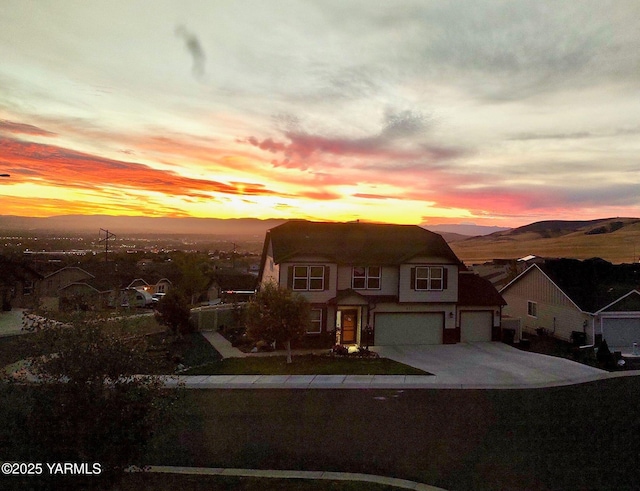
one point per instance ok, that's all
(52, 283)
(401, 282)
(592, 298)
(140, 284)
(17, 284)
(79, 296)
(232, 287)
(163, 285)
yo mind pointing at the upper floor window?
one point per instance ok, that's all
(308, 278)
(429, 278)
(366, 278)
(532, 309)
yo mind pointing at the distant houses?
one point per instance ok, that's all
(74, 288)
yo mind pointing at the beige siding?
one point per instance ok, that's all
(388, 280)
(312, 296)
(555, 311)
(271, 271)
(407, 294)
(50, 285)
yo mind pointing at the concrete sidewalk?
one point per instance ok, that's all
(395, 382)
(290, 474)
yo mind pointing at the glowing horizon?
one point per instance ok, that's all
(524, 115)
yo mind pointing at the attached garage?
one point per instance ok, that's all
(408, 328)
(621, 332)
(475, 326)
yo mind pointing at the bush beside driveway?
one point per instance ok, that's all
(575, 437)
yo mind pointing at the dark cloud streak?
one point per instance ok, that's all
(193, 45)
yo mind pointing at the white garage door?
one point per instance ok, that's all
(475, 326)
(621, 333)
(408, 328)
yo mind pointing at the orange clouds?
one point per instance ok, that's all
(63, 167)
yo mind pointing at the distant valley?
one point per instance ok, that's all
(615, 239)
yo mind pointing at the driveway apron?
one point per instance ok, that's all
(489, 364)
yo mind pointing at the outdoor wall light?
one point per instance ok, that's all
(450, 315)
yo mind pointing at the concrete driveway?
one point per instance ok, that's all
(11, 322)
(491, 364)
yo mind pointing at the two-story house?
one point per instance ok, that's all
(401, 282)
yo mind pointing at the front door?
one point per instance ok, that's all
(349, 324)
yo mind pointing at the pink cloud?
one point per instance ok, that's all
(22, 128)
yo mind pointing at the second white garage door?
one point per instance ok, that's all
(408, 328)
(475, 326)
(621, 332)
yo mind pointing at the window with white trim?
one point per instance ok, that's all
(308, 278)
(429, 278)
(316, 322)
(532, 309)
(365, 278)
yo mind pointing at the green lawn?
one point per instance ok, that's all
(566, 438)
(305, 365)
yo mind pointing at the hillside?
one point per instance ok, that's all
(615, 239)
(139, 226)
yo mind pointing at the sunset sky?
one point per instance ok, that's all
(486, 112)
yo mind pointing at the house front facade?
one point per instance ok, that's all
(593, 299)
(378, 284)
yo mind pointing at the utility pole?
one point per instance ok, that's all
(108, 235)
(233, 257)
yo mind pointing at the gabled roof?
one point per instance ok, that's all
(591, 285)
(235, 281)
(475, 290)
(59, 271)
(356, 243)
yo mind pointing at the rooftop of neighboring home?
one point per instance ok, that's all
(474, 290)
(356, 242)
(594, 283)
(235, 281)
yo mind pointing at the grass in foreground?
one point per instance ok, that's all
(574, 437)
(305, 365)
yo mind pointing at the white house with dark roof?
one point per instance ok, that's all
(402, 282)
(592, 298)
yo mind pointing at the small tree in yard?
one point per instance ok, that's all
(278, 314)
(173, 312)
(89, 406)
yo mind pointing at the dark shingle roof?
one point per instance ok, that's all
(356, 243)
(594, 283)
(474, 290)
(236, 281)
